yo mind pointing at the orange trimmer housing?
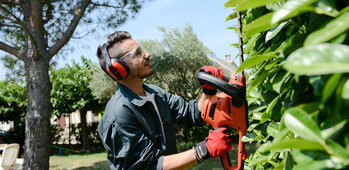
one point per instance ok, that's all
(225, 110)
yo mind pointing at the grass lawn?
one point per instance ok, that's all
(99, 161)
(82, 161)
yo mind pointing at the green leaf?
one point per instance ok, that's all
(289, 161)
(345, 92)
(259, 160)
(261, 78)
(273, 129)
(291, 8)
(257, 116)
(336, 149)
(334, 130)
(301, 157)
(272, 104)
(280, 166)
(265, 117)
(319, 59)
(340, 39)
(293, 43)
(295, 143)
(279, 80)
(281, 135)
(271, 65)
(309, 107)
(346, 140)
(260, 24)
(327, 7)
(329, 31)
(231, 16)
(236, 45)
(315, 160)
(252, 126)
(323, 164)
(248, 137)
(274, 6)
(250, 43)
(254, 60)
(274, 31)
(251, 137)
(330, 87)
(243, 5)
(230, 3)
(301, 124)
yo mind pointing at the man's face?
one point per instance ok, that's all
(136, 59)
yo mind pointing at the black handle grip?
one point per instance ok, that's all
(236, 91)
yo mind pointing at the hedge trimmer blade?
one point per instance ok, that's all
(231, 67)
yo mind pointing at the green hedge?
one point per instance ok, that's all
(298, 94)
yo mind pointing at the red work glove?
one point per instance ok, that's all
(216, 144)
(217, 72)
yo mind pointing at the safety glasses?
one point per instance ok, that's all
(134, 55)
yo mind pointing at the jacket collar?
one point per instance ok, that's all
(133, 97)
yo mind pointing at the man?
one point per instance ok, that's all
(137, 128)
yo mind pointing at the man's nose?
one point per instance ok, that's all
(147, 55)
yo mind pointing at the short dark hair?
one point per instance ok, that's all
(113, 40)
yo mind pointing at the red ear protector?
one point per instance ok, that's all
(116, 68)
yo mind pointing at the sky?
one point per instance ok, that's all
(207, 18)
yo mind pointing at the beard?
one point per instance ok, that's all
(139, 73)
(148, 74)
(141, 70)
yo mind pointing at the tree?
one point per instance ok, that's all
(34, 31)
(13, 105)
(176, 59)
(102, 86)
(70, 92)
(298, 56)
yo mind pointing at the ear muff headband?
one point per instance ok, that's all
(115, 67)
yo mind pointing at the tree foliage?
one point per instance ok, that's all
(70, 92)
(176, 59)
(13, 101)
(13, 106)
(103, 87)
(298, 82)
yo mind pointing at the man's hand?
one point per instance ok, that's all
(216, 144)
(217, 72)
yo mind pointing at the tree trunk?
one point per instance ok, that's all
(85, 144)
(36, 60)
(37, 123)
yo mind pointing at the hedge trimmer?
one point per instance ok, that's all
(228, 108)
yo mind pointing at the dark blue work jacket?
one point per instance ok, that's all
(131, 130)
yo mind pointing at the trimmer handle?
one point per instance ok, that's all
(236, 91)
(225, 159)
(227, 109)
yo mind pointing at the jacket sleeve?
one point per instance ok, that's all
(129, 148)
(186, 113)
